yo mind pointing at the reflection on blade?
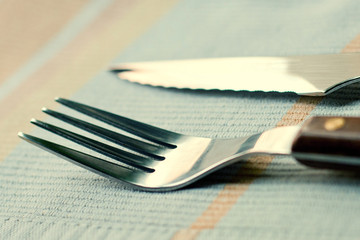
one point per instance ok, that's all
(314, 75)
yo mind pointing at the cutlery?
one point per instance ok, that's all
(161, 160)
(311, 75)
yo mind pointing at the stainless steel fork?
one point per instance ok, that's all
(166, 160)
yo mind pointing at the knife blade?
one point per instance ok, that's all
(309, 75)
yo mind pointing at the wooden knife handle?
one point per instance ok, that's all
(329, 142)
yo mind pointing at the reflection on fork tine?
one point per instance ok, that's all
(87, 161)
(110, 151)
(140, 129)
(129, 142)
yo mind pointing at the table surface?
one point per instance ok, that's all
(63, 49)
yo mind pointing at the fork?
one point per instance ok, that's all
(162, 160)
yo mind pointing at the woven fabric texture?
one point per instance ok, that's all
(45, 197)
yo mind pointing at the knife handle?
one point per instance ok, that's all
(329, 142)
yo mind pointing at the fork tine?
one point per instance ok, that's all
(110, 151)
(155, 134)
(79, 158)
(131, 143)
(94, 164)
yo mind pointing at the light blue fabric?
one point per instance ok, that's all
(45, 197)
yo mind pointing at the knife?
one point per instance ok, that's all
(309, 75)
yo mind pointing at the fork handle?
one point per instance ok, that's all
(329, 142)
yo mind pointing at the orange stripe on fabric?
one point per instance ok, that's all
(27, 25)
(252, 169)
(353, 46)
(84, 57)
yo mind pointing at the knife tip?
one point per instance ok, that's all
(120, 70)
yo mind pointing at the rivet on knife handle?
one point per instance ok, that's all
(329, 142)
